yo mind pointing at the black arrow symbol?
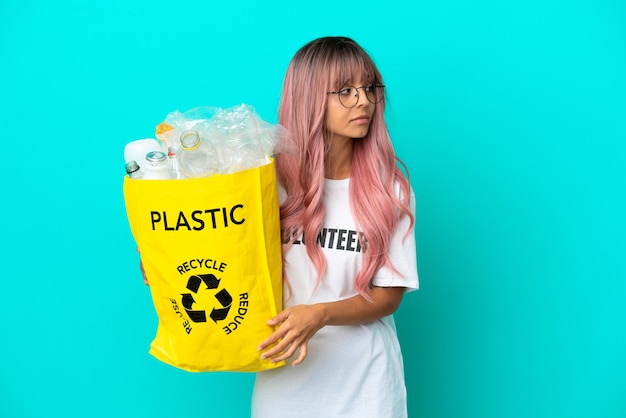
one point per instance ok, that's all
(193, 283)
(195, 316)
(188, 300)
(219, 314)
(224, 298)
(210, 281)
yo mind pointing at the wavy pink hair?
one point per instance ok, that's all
(324, 65)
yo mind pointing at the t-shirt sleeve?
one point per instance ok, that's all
(402, 255)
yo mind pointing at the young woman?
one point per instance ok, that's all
(347, 215)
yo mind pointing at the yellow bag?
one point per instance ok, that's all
(211, 250)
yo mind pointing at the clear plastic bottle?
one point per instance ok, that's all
(157, 166)
(133, 170)
(196, 156)
(173, 168)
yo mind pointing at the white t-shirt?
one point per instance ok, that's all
(350, 371)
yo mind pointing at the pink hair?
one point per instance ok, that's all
(320, 66)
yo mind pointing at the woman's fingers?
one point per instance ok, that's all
(298, 324)
(272, 339)
(302, 356)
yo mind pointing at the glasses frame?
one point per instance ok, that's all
(338, 92)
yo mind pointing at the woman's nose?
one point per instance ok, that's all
(361, 98)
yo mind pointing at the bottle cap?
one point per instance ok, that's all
(156, 156)
(131, 167)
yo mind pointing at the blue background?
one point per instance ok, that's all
(511, 118)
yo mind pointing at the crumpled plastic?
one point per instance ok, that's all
(242, 139)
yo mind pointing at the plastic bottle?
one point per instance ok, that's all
(137, 150)
(173, 168)
(133, 170)
(156, 167)
(196, 156)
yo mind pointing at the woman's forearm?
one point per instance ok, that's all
(358, 310)
(297, 324)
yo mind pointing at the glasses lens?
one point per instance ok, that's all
(348, 96)
(375, 93)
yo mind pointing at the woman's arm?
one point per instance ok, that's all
(143, 272)
(297, 324)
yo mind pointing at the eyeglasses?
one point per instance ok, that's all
(349, 95)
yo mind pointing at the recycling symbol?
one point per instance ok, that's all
(211, 282)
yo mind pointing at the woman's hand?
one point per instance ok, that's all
(296, 326)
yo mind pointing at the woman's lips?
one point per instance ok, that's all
(361, 119)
